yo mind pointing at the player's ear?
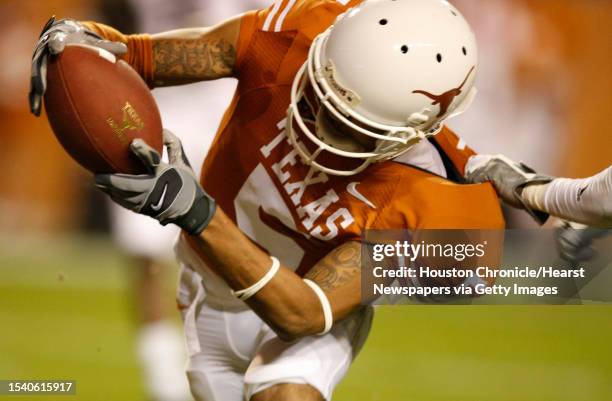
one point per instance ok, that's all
(149, 156)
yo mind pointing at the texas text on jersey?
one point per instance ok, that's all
(298, 214)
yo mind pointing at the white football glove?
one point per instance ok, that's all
(509, 179)
(53, 39)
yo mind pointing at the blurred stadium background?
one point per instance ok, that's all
(66, 309)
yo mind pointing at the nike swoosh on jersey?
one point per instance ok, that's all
(159, 204)
(581, 192)
(352, 189)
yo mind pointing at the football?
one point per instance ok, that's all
(97, 105)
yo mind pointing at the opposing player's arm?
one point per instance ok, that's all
(286, 303)
(587, 201)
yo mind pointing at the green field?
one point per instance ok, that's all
(65, 313)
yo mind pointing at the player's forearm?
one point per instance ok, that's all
(287, 304)
(191, 55)
(587, 201)
(179, 57)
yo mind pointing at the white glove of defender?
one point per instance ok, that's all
(509, 179)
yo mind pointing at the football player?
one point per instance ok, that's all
(337, 126)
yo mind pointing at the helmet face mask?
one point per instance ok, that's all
(390, 73)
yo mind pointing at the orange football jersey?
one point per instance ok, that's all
(258, 179)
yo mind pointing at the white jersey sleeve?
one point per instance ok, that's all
(587, 201)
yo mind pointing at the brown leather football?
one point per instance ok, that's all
(97, 105)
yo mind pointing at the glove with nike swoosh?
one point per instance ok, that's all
(170, 192)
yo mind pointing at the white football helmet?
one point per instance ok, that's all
(392, 70)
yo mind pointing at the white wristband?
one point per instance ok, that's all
(247, 293)
(327, 311)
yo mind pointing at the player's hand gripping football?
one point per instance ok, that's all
(53, 39)
(509, 179)
(170, 192)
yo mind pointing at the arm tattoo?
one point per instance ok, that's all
(189, 60)
(337, 268)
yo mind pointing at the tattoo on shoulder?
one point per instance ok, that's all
(182, 60)
(337, 268)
